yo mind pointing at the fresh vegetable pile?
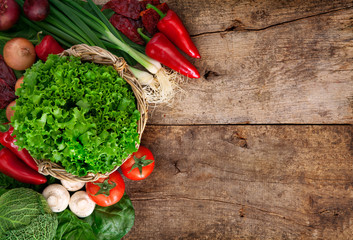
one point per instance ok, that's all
(25, 214)
(81, 115)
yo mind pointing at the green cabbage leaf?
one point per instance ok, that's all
(25, 214)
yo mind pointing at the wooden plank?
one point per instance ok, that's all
(300, 72)
(246, 182)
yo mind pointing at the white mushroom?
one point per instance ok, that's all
(72, 186)
(57, 197)
(81, 204)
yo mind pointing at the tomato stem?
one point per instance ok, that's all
(140, 162)
(105, 187)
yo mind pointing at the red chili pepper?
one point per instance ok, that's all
(12, 166)
(47, 46)
(162, 50)
(171, 25)
(7, 140)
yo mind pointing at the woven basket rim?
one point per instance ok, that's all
(100, 56)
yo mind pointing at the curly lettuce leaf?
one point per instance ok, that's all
(80, 115)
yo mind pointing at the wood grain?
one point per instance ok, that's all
(246, 182)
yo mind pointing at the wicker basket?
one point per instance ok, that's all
(100, 56)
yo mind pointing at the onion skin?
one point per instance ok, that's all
(9, 14)
(19, 54)
(36, 10)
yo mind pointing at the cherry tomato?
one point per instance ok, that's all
(106, 191)
(140, 165)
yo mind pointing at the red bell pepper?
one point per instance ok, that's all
(162, 50)
(47, 46)
(171, 25)
(7, 140)
(12, 166)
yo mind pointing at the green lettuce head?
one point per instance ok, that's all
(80, 115)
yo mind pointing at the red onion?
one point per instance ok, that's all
(9, 14)
(36, 10)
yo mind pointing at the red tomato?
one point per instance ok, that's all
(139, 166)
(106, 191)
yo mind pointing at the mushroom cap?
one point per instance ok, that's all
(81, 204)
(72, 186)
(57, 197)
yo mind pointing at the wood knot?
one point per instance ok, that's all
(237, 139)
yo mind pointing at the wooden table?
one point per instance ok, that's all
(261, 146)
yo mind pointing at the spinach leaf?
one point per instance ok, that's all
(112, 222)
(71, 227)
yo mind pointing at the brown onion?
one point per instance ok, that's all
(19, 53)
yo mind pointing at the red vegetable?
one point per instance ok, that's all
(9, 14)
(7, 94)
(150, 18)
(7, 140)
(145, 2)
(6, 73)
(106, 191)
(171, 25)
(47, 46)
(127, 8)
(162, 50)
(128, 27)
(139, 166)
(7, 84)
(12, 166)
(36, 10)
